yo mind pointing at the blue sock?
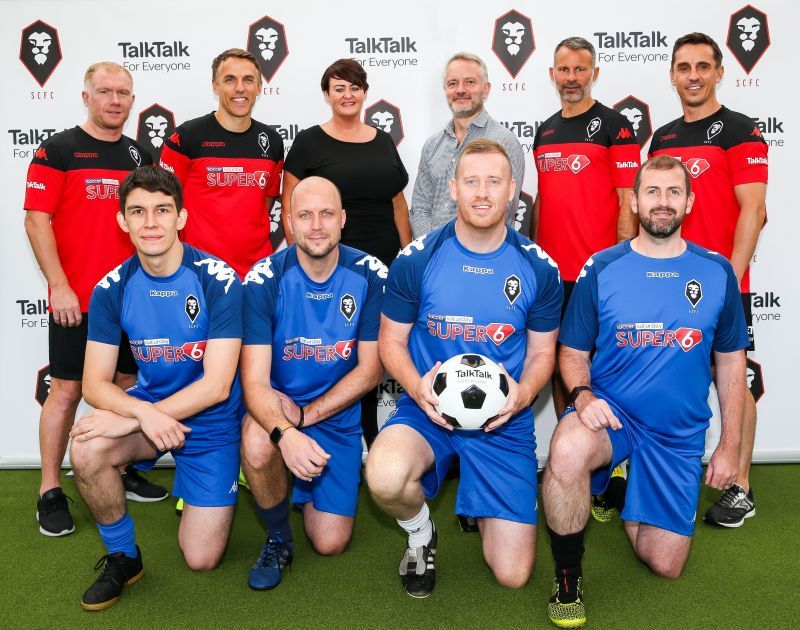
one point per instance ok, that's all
(119, 536)
(276, 520)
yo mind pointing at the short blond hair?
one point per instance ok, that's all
(484, 145)
(108, 66)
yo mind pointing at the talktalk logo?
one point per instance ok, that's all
(40, 50)
(192, 350)
(341, 350)
(155, 124)
(748, 36)
(496, 333)
(685, 338)
(513, 41)
(266, 40)
(386, 117)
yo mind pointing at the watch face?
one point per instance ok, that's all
(275, 435)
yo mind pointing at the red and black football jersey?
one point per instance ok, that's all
(75, 178)
(226, 179)
(720, 151)
(581, 161)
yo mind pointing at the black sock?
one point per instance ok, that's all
(615, 493)
(567, 552)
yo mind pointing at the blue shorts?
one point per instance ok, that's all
(206, 471)
(663, 475)
(336, 489)
(498, 469)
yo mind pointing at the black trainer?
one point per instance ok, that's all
(52, 512)
(118, 571)
(137, 488)
(468, 524)
(732, 508)
(417, 568)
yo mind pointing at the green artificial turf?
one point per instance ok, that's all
(745, 578)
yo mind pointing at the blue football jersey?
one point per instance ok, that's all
(168, 321)
(654, 323)
(314, 328)
(460, 301)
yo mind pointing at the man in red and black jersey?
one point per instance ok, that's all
(230, 167)
(586, 158)
(726, 156)
(71, 202)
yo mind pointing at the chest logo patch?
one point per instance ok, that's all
(192, 307)
(135, 155)
(512, 289)
(348, 307)
(594, 126)
(714, 129)
(693, 292)
(263, 143)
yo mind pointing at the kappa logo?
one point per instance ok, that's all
(638, 114)
(348, 306)
(714, 130)
(748, 36)
(266, 40)
(512, 289)
(259, 272)
(112, 276)
(192, 307)
(135, 155)
(155, 124)
(594, 126)
(513, 41)
(40, 50)
(696, 166)
(220, 270)
(386, 117)
(693, 292)
(263, 143)
(624, 134)
(375, 264)
(234, 487)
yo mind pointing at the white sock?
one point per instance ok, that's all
(419, 528)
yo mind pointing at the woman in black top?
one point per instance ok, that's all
(361, 160)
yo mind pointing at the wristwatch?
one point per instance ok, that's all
(573, 395)
(277, 433)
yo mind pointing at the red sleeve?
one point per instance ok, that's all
(274, 186)
(748, 163)
(173, 159)
(45, 181)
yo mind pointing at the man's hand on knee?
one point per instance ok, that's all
(102, 423)
(595, 413)
(302, 455)
(162, 430)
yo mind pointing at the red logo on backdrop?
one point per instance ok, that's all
(386, 116)
(688, 338)
(697, 166)
(40, 50)
(513, 41)
(577, 163)
(638, 114)
(155, 124)
(748, 36)
(498, 333)
(266, 40)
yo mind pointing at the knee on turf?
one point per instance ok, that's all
(326, 544)
(669, 568)
(198, 559)
(511, 574)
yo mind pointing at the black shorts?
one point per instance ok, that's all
(68, 349)
(569, 286)
(747, 304)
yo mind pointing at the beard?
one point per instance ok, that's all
(572, 97)
(658, 228)
(318, 253)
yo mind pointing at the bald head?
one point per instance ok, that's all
(316, 186)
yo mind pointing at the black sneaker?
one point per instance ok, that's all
(137, 488)
(118, 571)
(565, 608)
(468, 524)
(52, 512)
(732, 508)
(417, 569)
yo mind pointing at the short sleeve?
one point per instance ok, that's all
(224, 299)
(731, 332)
(402, 297)
(748, 163)
(580, 326)
(45, 181)
(260, 299)
(370, 319)
(174, 157)
(544, 313)
(104, 315)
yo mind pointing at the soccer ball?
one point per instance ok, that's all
(471, 390)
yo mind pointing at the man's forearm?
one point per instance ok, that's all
(398, 363)
(110, 397)
(264, 406)
(574, 367)
(745, 239)
(731, 392)
(348, 390)
(627, 222)
(536, 372)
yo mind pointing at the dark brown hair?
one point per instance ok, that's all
(697, 38)
(347, 70)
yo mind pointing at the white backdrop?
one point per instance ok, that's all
(403, 48)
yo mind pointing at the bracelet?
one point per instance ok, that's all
(302, 418)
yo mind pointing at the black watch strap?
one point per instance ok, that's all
(302, 418)
(277, 433)
(573, 395)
